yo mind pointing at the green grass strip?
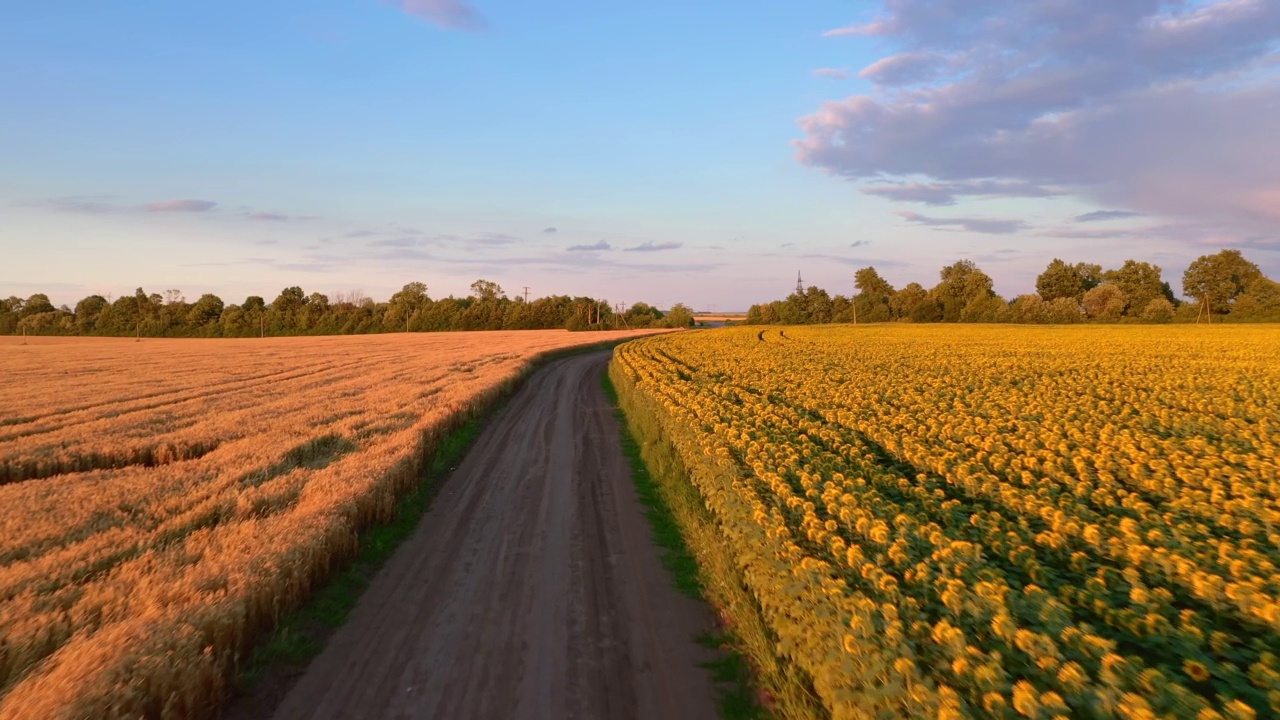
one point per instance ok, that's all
(735, 689)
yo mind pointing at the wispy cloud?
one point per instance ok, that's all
(878, 27)
(86, 204)
(400, 242)
(655, 247)
(904, 69)
(102, 204)
(549, 230)
(832, 73)
(451, 14)
(602, 245)
(491, 239)
(859, 243)
(1101, 215)
(268, 217)
(180, 206)
(947, 193)
(987, 226)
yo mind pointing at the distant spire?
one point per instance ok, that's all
(799, 283)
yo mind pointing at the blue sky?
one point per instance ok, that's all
(665, 151)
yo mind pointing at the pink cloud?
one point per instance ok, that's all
(833, 73)
(169, 206)
(451, 14)
(878, 27)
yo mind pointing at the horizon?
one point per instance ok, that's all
(665, 153)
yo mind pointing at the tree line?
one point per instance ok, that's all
(294, 312)
(1221, 287)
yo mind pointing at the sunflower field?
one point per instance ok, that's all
(1005, 522)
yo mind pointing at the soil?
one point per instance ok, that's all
(531, 589)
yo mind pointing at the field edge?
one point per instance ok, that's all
(783, 689)
(736, 690)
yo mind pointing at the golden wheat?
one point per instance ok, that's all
(165, 501)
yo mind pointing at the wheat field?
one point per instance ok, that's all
(163, 502)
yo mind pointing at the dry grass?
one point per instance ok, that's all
(163, 502)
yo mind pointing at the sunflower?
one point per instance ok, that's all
(1195, 670)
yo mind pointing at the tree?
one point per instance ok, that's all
(405, 304)
(253, 314)
(1063, 311)
(88, 311)
(1159, 310)
(1029, 309)
(1106, 302)
(9, 315)
(912, 302)
(289, 300)
(1140, 283)
(871, 304)
(485, 290)
(961, 283)
(144, 307)
(205, 311)
(1061, 280)
(1215, 281)
(36, 305)
(679, 316)
(1260, 302)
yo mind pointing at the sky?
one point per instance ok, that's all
(665, 151)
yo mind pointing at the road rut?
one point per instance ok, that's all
(531, 589)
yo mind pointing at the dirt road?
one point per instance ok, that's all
(530, 590)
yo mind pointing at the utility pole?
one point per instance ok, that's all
(526, 294)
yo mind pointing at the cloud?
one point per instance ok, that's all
(1101, 215)
(451, 14)
(549, 230)
(832, 73)
(400, 242)
(904, 68)
(977, 225)
(268, 217)
(1164, 108)
(940, 193)
(859, 243)
(857, 262)
(86, 204)
(180, 206)
(602, 245)
(490, 239)
(878, 27)
(103, 204)
(654, 247)
(1087, 233)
